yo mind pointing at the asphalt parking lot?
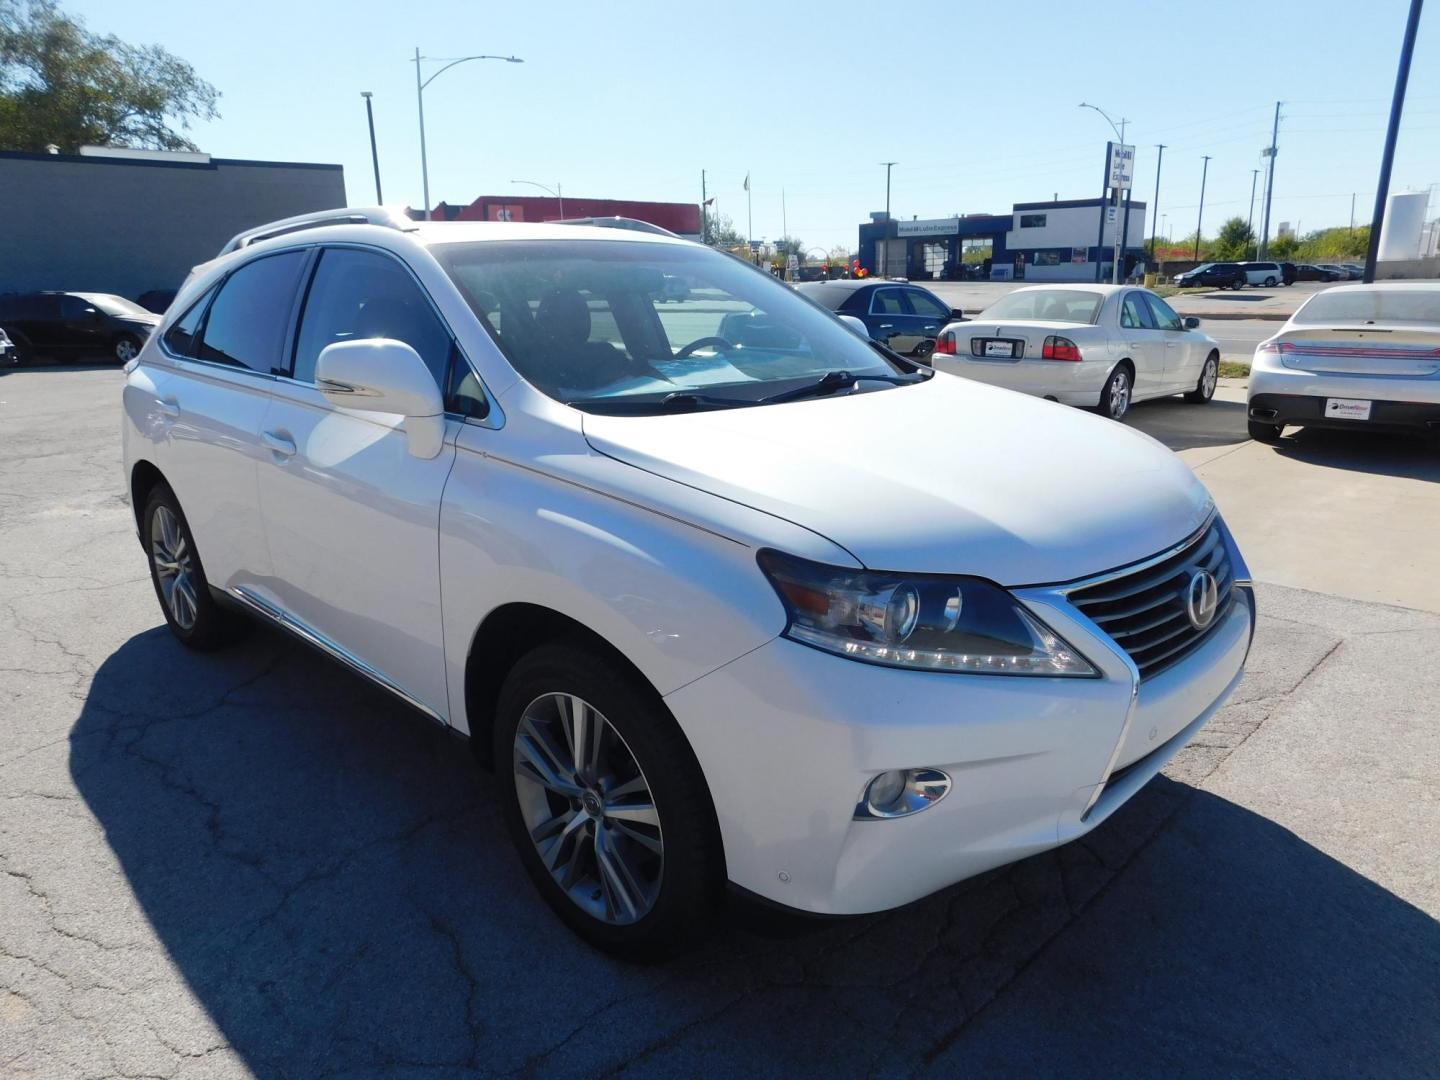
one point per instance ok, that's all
(253, 864)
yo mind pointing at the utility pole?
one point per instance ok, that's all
(784, 221)
(1204, 171)
(704, 211)
(888, 166)
(1269, 184)
(1250, 221)
(375, 157)
(1155, 210)
(884, 259)
(1352, 215)
(1397, 105)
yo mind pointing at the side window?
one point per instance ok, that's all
(247, 322)
(1135, 313)
(72, 308)
(922, 303)
(180, 338)
(887, 302)
(463, 394)
(364, 294)
(1165, 317)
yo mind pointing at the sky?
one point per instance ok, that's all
(976, 102)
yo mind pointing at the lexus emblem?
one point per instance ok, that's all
(1202, 598)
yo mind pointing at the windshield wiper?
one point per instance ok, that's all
(677, 401)
(832, 381)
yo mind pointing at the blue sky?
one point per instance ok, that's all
(976, 101)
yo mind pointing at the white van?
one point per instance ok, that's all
(1263, 273)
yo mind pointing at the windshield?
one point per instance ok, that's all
(113, 305)
(596, 321)
(1047, 305)
(1371, 305)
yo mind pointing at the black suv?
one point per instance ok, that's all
(67, 325)
(1225, 275)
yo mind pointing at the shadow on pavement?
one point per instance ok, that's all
(1183, 426)
(328, 873)
(1412, 457)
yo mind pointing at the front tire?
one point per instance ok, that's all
(1115, 397)
(1265, 433)
(179, 578)
(1209, 379)
(606, 804)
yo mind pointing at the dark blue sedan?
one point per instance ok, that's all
(902, 316)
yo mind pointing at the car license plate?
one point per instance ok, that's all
(1339, 408)
(1000, 348)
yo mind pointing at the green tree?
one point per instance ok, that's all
(62, 84)
(1234, 240)
(1331, 245)
(722, 231)
(1283, 248)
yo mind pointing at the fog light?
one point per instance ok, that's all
(898, 792)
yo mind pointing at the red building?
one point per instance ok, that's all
(681, 218)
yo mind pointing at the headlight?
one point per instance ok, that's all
(958, 624)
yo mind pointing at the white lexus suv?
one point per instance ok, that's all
(722, 592)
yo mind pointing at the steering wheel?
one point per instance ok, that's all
(718, 343)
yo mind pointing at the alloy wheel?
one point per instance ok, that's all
(126, 350)
(1210, 377)
(1119, 402)
(174, 567)
(588, 808)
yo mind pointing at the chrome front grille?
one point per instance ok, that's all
(1146, 611)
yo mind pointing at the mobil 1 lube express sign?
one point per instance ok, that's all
(1121, 168)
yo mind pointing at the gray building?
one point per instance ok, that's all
(127, 221)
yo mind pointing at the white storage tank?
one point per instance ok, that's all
(1404, 222)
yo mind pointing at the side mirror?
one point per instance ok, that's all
(956, 315)
(381, 375)
(855, 324)
(1191, 322)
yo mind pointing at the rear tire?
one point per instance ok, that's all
(1209, 379)
(179, 578)
(644, 881)
(1266, 433)
(1269, 283)
(125, 348)
(1115, 396)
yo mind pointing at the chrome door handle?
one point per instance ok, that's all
(278, 444)
(886, 326)
(1136, 345)
(168, 409)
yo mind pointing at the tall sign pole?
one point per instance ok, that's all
(1397, 105)
(1269, 185)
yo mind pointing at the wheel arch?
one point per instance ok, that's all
(144, 476)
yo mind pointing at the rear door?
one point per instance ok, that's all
(208, 403)
(1143, 342)
(82, 327)
(351, 517)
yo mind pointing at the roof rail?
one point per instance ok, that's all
(386, 216)
(633, 224)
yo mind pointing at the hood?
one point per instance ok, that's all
(947, 476)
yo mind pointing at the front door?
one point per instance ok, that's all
(351, 517)
(889, 320)
(1184, 353)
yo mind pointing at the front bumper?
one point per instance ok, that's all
(788, 736)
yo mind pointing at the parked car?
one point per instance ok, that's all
(1311, 272)
(1225, 275)
(1268, 274)
(1103, 347)
(764, 612)
(1355, 356)
(156, 300)
(1353, 270)
(1287, 273)
(1341, 274)
(902, 316)
(66, 324)
(9, 354)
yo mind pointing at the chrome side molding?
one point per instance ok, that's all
(310, 636)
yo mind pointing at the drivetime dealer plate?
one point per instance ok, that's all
(1340, 408)
(1000, 348)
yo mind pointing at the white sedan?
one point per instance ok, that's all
(1104, 347)
(1355, 356)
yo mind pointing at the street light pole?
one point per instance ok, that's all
(556, 191)
(1204, 171)
(1155, 210)
(375, 156)
(1397, 105)
(420, 102)
(1269, 152)
(1119, 134)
